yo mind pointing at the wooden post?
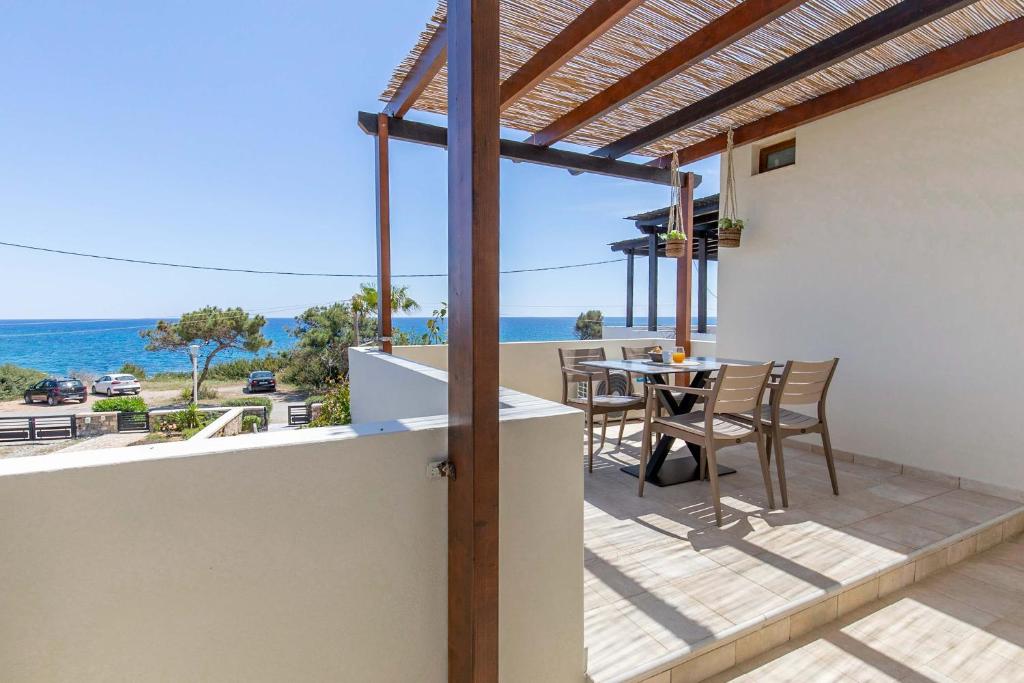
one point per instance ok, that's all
(702, 285)
(652, 281)
(684, 268)
(473, 218)
(383, 234)
(629, 288)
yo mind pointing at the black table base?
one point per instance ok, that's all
(675, 471)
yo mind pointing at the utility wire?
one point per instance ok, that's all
(283, 272)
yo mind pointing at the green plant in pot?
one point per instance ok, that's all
(675, 243)
(729, 231)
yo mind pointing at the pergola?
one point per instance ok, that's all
(705, 248)
(623, 77)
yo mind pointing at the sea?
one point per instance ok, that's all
(103, 345)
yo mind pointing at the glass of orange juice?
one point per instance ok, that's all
(679, 355)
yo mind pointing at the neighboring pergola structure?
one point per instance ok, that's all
(621, 77)
(705, 248)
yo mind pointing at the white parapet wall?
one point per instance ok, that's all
(309, 555)
(532, 367)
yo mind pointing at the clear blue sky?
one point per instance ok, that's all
(224, 134)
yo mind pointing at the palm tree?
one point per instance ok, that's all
(364, 304)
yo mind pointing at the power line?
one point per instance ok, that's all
(254, 271)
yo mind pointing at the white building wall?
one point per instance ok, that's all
(896, 243)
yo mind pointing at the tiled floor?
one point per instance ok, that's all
(964, 624)
(661, 578)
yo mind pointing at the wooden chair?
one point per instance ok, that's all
(574, 371)
(736, 389)
(801, 383)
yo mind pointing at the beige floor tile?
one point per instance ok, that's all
(661, 578)
(989, 537)
(895, 579)
(859, 596)
(616, 645)
(962, 550)
(705, 665)
(895, 528)
(1005, 577)
(812, 617)
(736, 598)
(663, 677)
(674, 618)
(1014, 526)
(907, 490)
(763, 639)
(931, 563)
(787, 578)
(674, 561)
(969, 505)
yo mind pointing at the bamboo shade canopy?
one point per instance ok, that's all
(656, 25)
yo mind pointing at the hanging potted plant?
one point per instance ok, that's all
(674, 238)
(729, 231)
(675, 244)
(729, 227)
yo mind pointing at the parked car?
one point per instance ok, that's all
(261, 380)
(56, 390)
(116, 384)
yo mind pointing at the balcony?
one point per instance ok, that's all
(321, 554)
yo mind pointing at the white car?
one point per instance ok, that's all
(116, 384)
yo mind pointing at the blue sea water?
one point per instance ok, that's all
(64, 346)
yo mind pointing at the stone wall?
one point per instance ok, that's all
(95, 424)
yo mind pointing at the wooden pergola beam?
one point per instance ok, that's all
(726, 29)
(383, 234)
(427, 134)
(423, 71)
(590, 25)
(887, 24)
(684, 274)
(473, 219)
(968, 52)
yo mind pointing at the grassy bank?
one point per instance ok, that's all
(14, 380)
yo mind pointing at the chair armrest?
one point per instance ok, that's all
(585, 373)
(683, 390)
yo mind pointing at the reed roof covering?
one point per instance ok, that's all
(654, 26)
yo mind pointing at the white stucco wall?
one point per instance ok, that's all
(532, 367)
(895, 243)
(316, 555)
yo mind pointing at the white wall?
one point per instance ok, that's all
(384, 387)
(532, 367)
(895, 243)
(317, 555)
(312, 561)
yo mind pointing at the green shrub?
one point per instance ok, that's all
(204, 393)
(241, 367)
(170, 376)
(336, 408)
(251, 423)
(133, 369)
(261, 401)
(316, 398)
(14, 380)
(190, 432)
(190, 418)
(121, 404)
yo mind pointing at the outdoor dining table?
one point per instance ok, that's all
(660, 470)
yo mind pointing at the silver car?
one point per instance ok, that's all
(116, 384)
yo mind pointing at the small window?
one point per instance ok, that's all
(777, 156)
